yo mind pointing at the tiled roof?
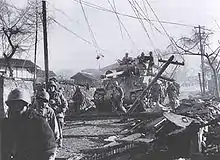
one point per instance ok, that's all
(18, 63)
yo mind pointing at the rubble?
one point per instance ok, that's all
(192, 130)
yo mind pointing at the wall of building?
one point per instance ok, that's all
(19, 73)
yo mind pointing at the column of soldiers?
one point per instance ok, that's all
(32, 129)
(142, 60)
(160, 90)
(157, 94)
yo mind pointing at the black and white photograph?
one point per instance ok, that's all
(109, 79)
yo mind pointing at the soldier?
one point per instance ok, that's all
(126, 59)
(142, 59)
(42, 106)
(77, 99)
(87, 86)
(172, 93)
(25, 134)
(59, 106)
(155, 92)
(150, 63)
(177, 87)
(117, 98)
(163, 92)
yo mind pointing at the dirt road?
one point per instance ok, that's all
(81, 135)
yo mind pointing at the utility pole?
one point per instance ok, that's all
(202, 60)
(35, 45)
(200, 82)
(45, 42)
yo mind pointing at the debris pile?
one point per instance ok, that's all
(192, 130)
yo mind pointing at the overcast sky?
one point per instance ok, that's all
(67, 51)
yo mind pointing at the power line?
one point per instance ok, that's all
(64, 27)
(76, 35)
(97, 7)
(146, 16)
(114, 9)
(121, 23)
(171, 40)
(136, 12)
(90, 30)
(63, 13)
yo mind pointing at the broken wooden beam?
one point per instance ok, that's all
(173, 62)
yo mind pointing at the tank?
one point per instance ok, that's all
(129, 77)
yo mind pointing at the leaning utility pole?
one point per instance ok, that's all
(144, 92)
(45, 42)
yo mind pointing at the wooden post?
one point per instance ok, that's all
(45, 42)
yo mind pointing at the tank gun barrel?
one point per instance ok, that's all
(143, 94)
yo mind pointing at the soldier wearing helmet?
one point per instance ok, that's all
(77, 99)
(155, 92)
(60, 106)
(150, 63)
(41, 105)
(25, 134)
(172, 92)
(117, 97)
(142, 60)
(126, 59)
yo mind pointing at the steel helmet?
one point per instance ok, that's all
(19, 94)
(42, 94)
(52, 83)
(53, 79)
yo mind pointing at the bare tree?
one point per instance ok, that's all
(191, 46)
(17, 28)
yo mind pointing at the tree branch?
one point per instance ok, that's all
(218, 67)
(187, 51)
